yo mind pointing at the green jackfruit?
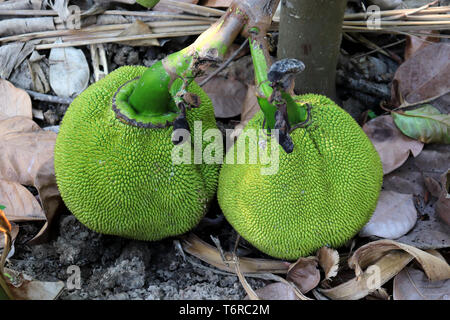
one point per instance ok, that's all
(323, 193)
(120, 179)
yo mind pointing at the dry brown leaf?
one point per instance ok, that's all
(430, 232)
(423, 77)
(20, 204)
(136, 28)
(226, 95)
(304, 273)
(328, 261)
(27, 159)
(30, 289)
(25, 147)
(14, 101)
(434, 267)
(415, 43)
(359, 287)
(383, 260)
(412, 284)
(394, 216)
(277, 291)
(209, 254)
(392, 145)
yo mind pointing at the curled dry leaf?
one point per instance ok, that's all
(415, 43)
(383, 260)
(27, 159)
(412, 284)
(394, 216)
(20, 204)
(372, 279)
(209, 254)
(250, 292)
(69, 71)
(423, 77)
(278, 279)
(392, 146)
(14, 101)
(434, 267)
(25, 147)
(328, 261)
(26, 288)
(425, 124)
(304, 273)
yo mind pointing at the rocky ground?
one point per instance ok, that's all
(114, 268)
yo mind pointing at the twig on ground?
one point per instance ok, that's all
(48, 98)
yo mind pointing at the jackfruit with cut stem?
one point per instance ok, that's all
(120, 179)
(323, 193)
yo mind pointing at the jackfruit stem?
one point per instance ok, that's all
(261, 62)
(151, 95)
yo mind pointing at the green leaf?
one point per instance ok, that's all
(371, 114)
(425, 124)
(2, 207)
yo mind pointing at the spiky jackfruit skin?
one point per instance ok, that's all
(119, 179)
(324, 192)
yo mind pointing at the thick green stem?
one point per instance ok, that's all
(151, 95)
(261, 62)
